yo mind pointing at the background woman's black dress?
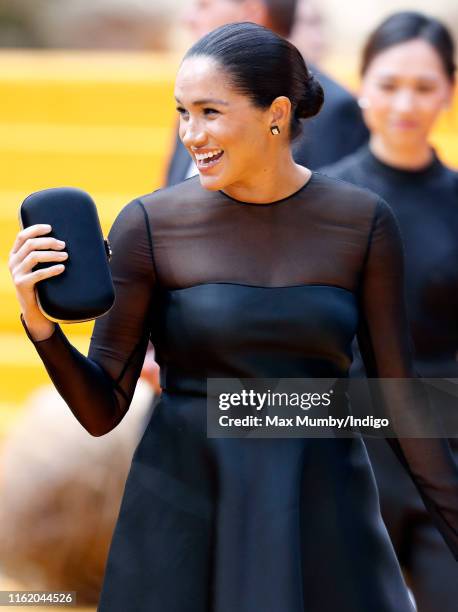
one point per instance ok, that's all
(229, 289)
(425, 203)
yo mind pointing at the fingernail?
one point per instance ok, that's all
(61, 242)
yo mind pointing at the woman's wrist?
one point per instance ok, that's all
(39, 328)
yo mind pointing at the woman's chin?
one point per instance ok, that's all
(404, 136)
(212, 183)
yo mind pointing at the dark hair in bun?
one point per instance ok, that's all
(410, 25)
(312, 101)
(263, 66)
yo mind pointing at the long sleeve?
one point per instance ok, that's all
(99, 388)
(384, 345)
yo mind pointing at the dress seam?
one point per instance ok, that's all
(150, 238)
(370, 237)
(139, 344)
(249, 285)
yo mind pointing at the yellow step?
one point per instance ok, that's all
(94, 120)
(98, 158)
(87, 87)
(91, 172)
(120, 140)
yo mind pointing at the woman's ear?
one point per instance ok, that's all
(280, 112)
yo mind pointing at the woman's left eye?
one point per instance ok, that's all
(210, 111)
(425, 88)
(387, 86)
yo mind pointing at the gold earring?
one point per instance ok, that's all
(275, 130)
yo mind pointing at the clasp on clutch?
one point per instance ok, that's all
(108, 250)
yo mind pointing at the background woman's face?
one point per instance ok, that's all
(404, 89)
(307, 33)
(226, 135)
(202, 16)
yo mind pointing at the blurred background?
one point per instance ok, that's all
(86, 100)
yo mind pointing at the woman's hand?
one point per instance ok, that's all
(31, 247)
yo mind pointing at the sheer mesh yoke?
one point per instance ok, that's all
(328, 233)
(168, 244)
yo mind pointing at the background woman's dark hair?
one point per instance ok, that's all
(263, 66)
(409, 25)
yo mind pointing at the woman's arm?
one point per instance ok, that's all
(99, 388)
(385, 348)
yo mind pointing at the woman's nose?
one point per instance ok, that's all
(404, 101)
(192, 134)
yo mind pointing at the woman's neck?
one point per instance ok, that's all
(408, 157)
(273, 182)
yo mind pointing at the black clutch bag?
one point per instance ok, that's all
(84, 291)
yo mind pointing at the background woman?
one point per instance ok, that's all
(408, 78)
(237, 267)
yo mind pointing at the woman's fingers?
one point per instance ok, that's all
(24, 281)
(35, 244)
(32, 240)
(32, 247)
(30, 232)
(25, 265)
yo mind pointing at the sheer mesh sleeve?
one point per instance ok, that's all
(99, 388)
(385, 352)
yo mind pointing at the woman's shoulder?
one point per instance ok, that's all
(163, 207)
(344, 199)
(352, 208)
(169, 201)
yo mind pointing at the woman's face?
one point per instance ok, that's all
(403, 90)
(226, 135)
(202, 16)
(308, 32)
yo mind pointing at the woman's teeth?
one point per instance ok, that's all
(207, 158)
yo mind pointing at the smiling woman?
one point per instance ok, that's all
(408, 72)
(232, 103)
(257, 268)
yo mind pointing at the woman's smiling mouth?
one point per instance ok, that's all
(209, 159)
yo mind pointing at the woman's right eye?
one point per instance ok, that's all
(387, 86)
(182, 111)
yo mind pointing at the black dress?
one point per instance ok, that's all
(230, 289)
(425, 203)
